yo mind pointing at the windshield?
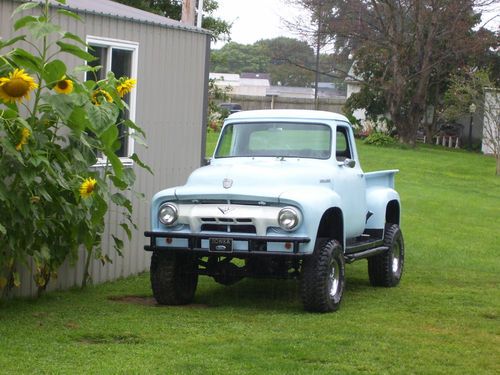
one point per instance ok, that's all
(275, 139)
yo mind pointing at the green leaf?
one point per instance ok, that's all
(109, 137)
(118, 243)
(127, 230)
(78, 120)
(3, 230)
(42, 29)
(54, 71)
(141, 164)
(75, 50)
(118, 182)
(131, 125)
(74, 37)
(70, 14)
(116, 164)
(25, 59)
(24, 6)
(62, 104)
(87, 68)
(61, 2)
(121, 200)
(101, 117)
(22, 22)
(10, 42)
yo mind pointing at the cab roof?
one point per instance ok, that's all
(287, 114)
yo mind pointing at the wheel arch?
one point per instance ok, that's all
(332, 225)
(393, 212)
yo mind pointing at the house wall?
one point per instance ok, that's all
(171, 108)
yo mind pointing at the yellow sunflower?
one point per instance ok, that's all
(87, 187)
(126, 86)
(25, 134)
(16, 86)
(99, 95)
(64, 86)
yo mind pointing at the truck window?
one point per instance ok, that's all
(275, 139)
(342, 151)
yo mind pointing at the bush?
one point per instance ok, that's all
(379, 139)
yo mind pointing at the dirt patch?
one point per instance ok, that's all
(150, 301)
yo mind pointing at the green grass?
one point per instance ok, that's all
(442, 319)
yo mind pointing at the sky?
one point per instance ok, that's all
(263, 19)
(255, 19)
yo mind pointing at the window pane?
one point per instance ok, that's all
(121, 65)
(101, 54)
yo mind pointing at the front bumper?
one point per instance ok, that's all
(194, 241)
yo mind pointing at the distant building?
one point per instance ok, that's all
(240, 85)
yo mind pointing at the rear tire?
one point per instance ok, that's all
(173, 278)
(386, 269)
(323, 278)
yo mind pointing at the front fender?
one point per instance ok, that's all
(313, 202)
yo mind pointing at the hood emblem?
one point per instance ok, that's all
(225, 210)
(227, 183)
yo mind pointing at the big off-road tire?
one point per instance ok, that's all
(386, 269)
(173, 278)
(323, 278)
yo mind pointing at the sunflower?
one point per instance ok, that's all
(25, 134)
(87, 187)
(99, 95)
(126, 86)
(64, 86)
(16, 86)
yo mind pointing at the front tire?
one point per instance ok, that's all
(386, 269)
(323, 278)
(173, 278)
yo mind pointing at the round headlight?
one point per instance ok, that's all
(288, 218)
(168, 214)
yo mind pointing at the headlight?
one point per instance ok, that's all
(288, 218)
(168, 214)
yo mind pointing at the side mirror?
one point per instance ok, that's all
(351, 163)
(205, 161)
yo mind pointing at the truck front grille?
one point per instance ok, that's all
(228, 228)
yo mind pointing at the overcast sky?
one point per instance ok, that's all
(255, 19)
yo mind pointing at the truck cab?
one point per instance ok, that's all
(285, 192)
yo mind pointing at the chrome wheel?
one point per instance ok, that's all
(396, 257)
(334, 279)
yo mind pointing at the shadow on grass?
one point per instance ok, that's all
(261, 294)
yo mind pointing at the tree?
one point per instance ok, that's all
(404, 49)
(470, 86)
(239, 58)
(221, 30)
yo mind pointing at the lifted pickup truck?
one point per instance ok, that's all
(284, 192)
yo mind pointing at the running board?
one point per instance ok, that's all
(351, 257)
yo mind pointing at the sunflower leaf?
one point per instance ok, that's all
(25, 59)
(22, 22)
(75, 50)
(10, 42)
(42, 29)
(24, 6)
(74, 37)
(70, 14)
(139, 162)
(54, 71)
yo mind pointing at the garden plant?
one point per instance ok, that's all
(54, 127)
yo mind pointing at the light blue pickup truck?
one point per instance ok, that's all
(283, 196)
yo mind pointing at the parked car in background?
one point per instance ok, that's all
(231, 107)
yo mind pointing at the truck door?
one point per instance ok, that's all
(350, 182)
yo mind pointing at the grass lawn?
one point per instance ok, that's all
(444, 318)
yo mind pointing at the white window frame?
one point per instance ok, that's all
(109, 44)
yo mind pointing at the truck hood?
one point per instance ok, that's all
(256, 179)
